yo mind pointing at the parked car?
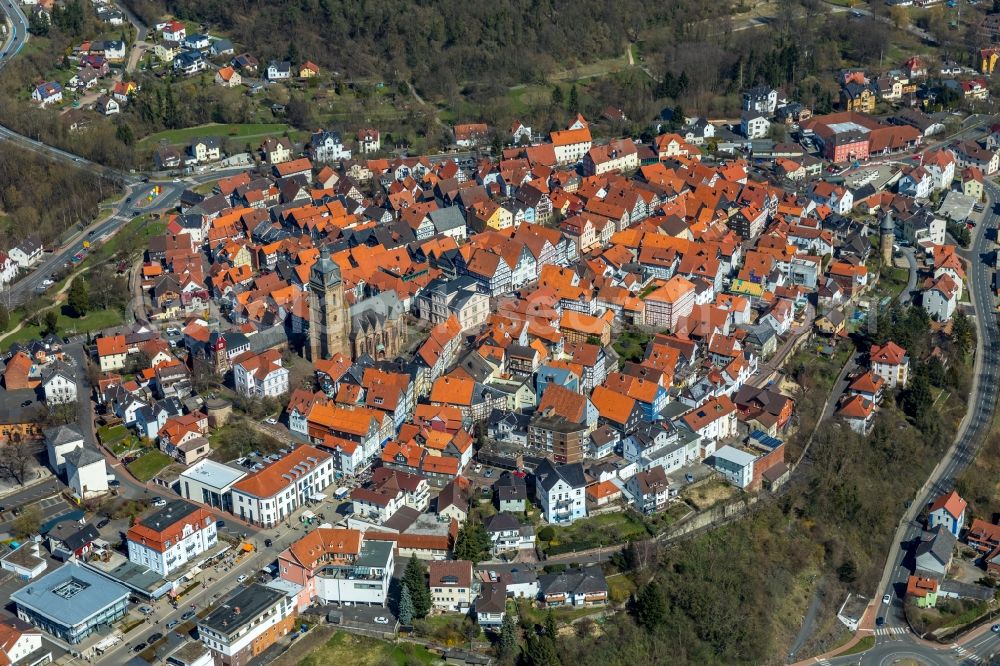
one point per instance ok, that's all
(139, 648)
(220, 524)
(145, 610)
(158, 501)
(103, 523)
(271, 421)
(154, 637)
(381, 619)
(242, 578)
(187, 616)
(172, 624)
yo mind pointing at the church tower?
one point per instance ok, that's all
(329, 316)
(887, 235)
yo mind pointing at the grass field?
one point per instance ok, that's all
(92, 321)
(149, 464)
(602, 530)
(361, 651)
(183, 136)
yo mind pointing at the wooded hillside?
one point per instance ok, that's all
(42, 197)
(438, 44)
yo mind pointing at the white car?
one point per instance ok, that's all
(271, 421)
(159, 501)
(887, 599)
(242, 578)
(381, 619)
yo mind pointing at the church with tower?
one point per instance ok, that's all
(374, 327)
(329, 315)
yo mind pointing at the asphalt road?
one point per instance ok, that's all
(19, 31)
(981, 402)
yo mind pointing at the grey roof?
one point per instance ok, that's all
(73, 535)
(83, 456)
(172, 513)
(241, 609)
(938, 543)
(70, 595)
(64, 434)
(582, 581)
(446, 219)
(548, 475)
(502, 522)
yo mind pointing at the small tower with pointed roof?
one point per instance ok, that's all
(887, 235)
(329, 317)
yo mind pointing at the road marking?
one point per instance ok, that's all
(891, 631)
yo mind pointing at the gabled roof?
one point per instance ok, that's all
(951, 503)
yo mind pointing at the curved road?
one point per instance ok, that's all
(895, 643)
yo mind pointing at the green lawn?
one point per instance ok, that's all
(865, 644)
(606, 529)
(92, 321)
(183, 136)
(112, 434)
(149, 464)
(346, 648)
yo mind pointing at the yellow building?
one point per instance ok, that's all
(988, 59)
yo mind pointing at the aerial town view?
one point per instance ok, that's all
(419, 332)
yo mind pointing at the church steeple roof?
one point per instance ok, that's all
(325, 271)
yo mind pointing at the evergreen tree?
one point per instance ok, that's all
(415, 577)
(124, 134)
(541, 651)
(550, 625)
(473, 543)
(406, 606)
(557, 96)
(961, 334)
(78, 299)
(4, 317)
(574, 100)
(508, 638)
(650, 606)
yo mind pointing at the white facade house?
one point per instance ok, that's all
(260, 375)
(560, 491)
(59, 385)
(271, 495)
(235, 636)
(60, 441)
(20, 642)
(328, 147)
(170, 538)
(27, 252)
(754, 125)
(941, 299)
(86, 472)
(735, 465)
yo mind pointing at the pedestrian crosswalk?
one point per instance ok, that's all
(890, 631)
(823, 662)
(965, 654)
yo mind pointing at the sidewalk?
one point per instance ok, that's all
(42, 475)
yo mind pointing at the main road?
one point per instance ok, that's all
(895, 643)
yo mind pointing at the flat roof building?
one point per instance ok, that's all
(247, 624)
(72, 602)
(210, 483)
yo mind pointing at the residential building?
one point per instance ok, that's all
(670, 303)
(451, 584)
(560, 491)
(581, 587)
(338, 566)
(650, 490)
(86, 472)
(21, 645)
(246, 624)
(934, 553)
(111, 352)
(171, 537)
(948, 511)
(890, 362)
(59, 384)
(924, 591)
(260, 375)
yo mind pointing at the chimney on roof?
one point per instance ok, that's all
(236, 611)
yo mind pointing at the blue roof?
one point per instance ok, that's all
(765, 440)
(70, 595)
